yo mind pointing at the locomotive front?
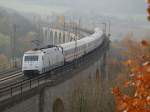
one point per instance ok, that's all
(32, 63)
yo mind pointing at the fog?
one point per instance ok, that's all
(127, 7)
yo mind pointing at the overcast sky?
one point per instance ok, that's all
(132, 7)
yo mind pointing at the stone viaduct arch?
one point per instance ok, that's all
(58, 105)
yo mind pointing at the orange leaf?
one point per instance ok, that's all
(127, 83)
(116, 91)
(145, 43)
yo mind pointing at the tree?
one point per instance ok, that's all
(148, 9)
(3, 61)
(139, 82)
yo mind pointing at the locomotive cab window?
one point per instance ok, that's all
(31, 58)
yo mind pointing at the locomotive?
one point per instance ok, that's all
(45, 59)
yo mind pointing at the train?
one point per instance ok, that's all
(43, 60)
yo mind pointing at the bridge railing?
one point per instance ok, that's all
(27, 84)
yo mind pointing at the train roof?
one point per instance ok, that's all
(40, 51)
(48, 46)
(33, 52)
(82, 41)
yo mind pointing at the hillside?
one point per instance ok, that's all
(8, 17)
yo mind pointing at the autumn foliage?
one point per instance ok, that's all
(148, 9)
(139, 82)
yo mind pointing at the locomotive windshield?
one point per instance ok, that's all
(31, 58)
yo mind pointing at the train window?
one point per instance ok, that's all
(31, 58)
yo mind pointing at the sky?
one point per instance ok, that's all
(127, 7)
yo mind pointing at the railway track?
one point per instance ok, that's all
(9, 71)
(10, 77)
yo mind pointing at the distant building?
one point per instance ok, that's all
(61, 20)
